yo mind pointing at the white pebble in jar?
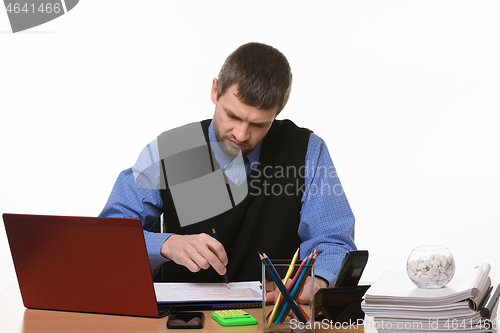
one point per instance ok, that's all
(430, 266)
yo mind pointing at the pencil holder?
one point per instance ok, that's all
(286, 314)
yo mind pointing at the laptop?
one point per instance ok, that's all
(84, 264)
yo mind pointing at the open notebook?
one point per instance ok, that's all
(95, 264)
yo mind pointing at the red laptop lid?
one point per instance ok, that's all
(85, 264)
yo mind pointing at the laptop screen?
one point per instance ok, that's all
(85, 264)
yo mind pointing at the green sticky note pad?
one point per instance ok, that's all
(233, 318)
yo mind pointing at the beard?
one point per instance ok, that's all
(226, 146)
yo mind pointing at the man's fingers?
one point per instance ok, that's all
(217, 249)
(305, 294)
(205, 258)
(217, 256)
(196, 252)
(271, 296)
(305, 298)
(207, 252)
(192, 260)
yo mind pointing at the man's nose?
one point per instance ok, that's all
(241, 132)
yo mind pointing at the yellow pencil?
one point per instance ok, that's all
(285, 280)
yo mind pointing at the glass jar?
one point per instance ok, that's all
(430, 266)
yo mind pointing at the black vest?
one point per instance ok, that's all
(266, 220)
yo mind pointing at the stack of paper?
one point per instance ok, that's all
(398, 305)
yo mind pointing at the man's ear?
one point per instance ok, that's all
(214, 91)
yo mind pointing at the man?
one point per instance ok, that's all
(289, 195)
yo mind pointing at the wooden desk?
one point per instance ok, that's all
(15, 318)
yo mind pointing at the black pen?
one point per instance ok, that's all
(214, 235)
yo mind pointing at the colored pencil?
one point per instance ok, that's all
(288, 298)
(298, 286)
(285, 280)
(226, 279)
(285, 307)
(291, 284)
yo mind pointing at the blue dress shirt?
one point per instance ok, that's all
(326, 219)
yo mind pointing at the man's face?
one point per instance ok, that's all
(237, 125)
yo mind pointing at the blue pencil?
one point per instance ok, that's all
(226, 279)
(293, 292)
(284, 291)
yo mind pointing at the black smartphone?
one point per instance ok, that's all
(352, 267)
(185, 320)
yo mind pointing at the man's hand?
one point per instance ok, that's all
(305, 293)
(196, 252)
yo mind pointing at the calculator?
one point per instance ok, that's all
(233, 318)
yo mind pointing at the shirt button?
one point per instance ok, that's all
(238, 182)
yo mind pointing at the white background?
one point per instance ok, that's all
(405, 93)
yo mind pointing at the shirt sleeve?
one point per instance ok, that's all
(136, 194)
(326, 218)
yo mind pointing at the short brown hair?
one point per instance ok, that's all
(262, 73)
